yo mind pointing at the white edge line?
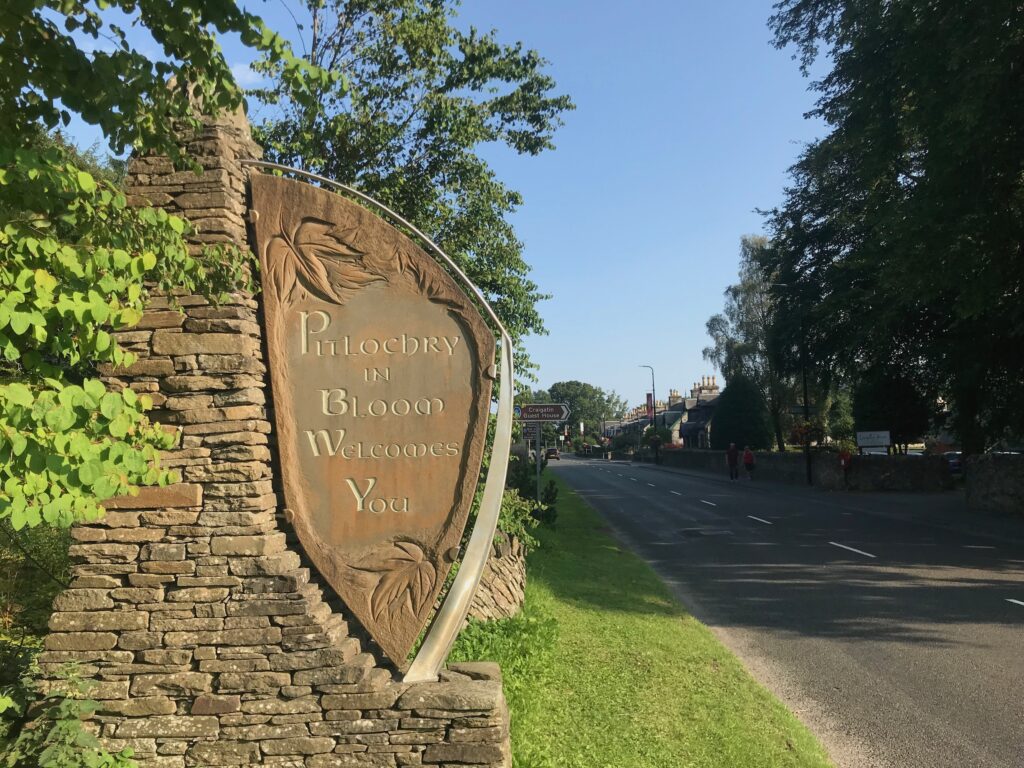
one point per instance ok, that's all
(709, 503)
(858, 551)
(760, 520)
(677, 493)
(1016, 602)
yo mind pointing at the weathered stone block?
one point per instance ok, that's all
(268, 544)
(168, 566)
(198, 594)
(83, 600)
(310, 745)
(235, 637)
(225, 753)
(376, 700)
(474, 695)
(174, 656)
(177, 683)
(231, 682)
(174, 343)
(160, 319)
(104, 553)
(474, 754)
(171, 726)
(138, 594)
(140, 706)
(156, 497)
(137, 641)
(81, 641)
(208, 704)
(97, 621)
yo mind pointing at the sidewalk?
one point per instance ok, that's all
(947, 510)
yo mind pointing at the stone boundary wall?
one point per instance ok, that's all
(868, 473)
(503, 584)
(210, 642)
(995, 484)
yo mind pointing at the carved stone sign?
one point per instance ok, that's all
(381, 371)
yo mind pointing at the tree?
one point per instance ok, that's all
(743, 342)
(740, 417)
(840, 424)
(75, 261)
(886, 401)
(904, 226)
(587, 403)
(417, 100)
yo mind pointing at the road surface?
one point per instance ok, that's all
(900, 644)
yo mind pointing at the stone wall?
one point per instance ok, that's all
(868, 473)
(190, 606)
(995, 484)
(503, 584)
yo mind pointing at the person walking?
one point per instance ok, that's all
(732, 458)
(748, 462)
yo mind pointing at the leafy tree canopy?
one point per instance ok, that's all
(743, 341)
(422, 98)
(74, 259)
(587, 403)
(903, 227)
(886, 401)
(740, 417)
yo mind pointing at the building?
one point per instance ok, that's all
(687, 418)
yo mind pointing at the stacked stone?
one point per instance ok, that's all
(208, 641)
(503, 584)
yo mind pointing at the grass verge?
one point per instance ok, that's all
(605, 669)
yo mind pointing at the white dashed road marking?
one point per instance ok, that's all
(652, 485)
(859, 552)
(677, 493)
(709, 503)
(1015, 602)
(760, 520)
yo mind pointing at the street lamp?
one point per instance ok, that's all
(803, 374)
(654, 412)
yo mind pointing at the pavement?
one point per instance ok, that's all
(891, 624)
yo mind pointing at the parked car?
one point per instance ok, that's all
(552, 453)
(954, 462)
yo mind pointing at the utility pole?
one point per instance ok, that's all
(654, 413)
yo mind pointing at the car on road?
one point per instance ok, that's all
(552, 453)
(954, 461)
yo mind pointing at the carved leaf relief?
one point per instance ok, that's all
(405, 581)
(318, 257)
(428, 283)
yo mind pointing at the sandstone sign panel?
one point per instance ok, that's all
(381, 374)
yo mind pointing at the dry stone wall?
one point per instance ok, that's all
(209, 641)
(503, 584)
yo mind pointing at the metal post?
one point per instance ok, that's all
(538, 462)
(654, 413)
(807, 407)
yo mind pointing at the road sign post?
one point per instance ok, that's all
(535, 415)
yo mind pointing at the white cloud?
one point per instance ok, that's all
(245, 76)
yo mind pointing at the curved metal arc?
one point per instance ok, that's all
(396, 217)
(446, 624)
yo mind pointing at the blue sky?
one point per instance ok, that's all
(687, 119)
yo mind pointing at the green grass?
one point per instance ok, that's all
(605, 669)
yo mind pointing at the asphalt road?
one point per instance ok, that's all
(901, 644)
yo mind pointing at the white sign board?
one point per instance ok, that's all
(874, 439)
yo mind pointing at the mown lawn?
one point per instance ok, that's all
(605, 669)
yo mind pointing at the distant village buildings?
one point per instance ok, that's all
(688, 419)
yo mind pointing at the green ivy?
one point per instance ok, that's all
(75, 261)
(45, 730)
